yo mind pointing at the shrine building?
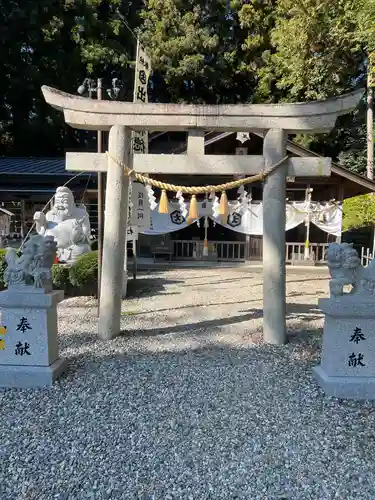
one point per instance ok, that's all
(29, 183)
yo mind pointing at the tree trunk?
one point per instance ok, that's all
(370, 130)
(370, 124)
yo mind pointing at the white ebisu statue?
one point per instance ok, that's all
(68, 224)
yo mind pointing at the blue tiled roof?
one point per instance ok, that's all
(26, 188)
(33, 166)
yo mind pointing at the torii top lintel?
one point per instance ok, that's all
(89, 114)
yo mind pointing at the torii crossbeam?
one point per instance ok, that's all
(121, 118)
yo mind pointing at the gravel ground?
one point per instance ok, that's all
(188, 403)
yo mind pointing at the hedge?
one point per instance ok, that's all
(83, 274)
(80, 278)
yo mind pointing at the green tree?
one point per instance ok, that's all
(264, 51)
(57, 44)
(363, 13)
(359, 212)
(253, 51)
(328, 57)
(317, 50)
(210, 51)
(202, 51)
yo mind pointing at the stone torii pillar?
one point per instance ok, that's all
(278, 120)
(274, 276)
(116, 211)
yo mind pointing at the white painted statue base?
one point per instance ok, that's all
(28, 338)
(347, 368)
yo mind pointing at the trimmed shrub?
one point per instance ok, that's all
(81, 278)
(60, 277)
(83, 274)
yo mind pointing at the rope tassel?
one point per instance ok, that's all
(224, 206)
(193, 209)
(163, 204)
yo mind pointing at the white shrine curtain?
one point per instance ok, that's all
(326, 216)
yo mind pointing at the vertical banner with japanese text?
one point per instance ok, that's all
(139, 137)
(142, 75)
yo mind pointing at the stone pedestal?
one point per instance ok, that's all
(347, 368)
(28, 338)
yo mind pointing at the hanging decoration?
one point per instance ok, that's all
(215, 204)
(194, 190)
(244, 200)
(151, 197)
(163, 205)
(194, 209)
(224, 207)
(182, 204)
(327, 218)
(241, 193)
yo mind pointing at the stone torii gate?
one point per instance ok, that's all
(120, 118)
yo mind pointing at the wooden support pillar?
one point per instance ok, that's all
(134, 259)
(23, 219)
(248, 236)
(340, 200)
(247, 247)
(308, 195)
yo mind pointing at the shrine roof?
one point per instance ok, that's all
(27, 188)
(10, 165)
(298, 150)
(335, 167)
